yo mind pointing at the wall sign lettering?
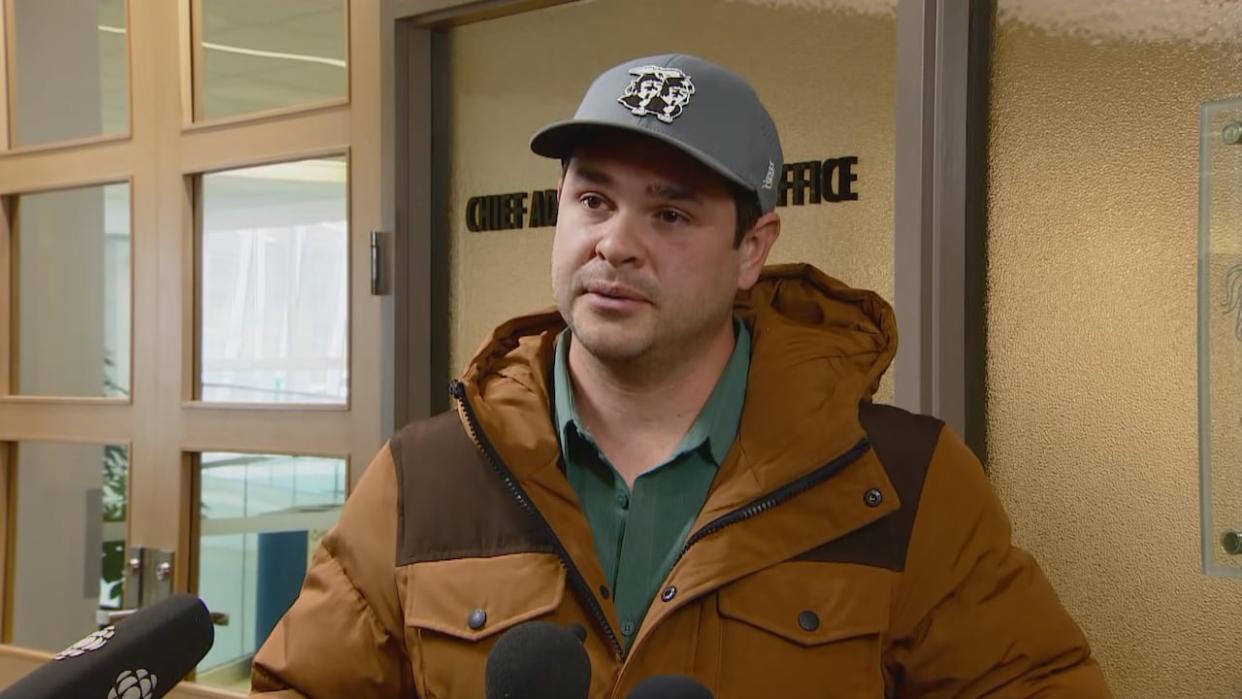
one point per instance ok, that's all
(829, 181)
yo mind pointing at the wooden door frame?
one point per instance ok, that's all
(162, 154)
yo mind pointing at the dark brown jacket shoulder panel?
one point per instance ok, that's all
(904, 442)
(442, 477)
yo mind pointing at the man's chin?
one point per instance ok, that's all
(610, 339)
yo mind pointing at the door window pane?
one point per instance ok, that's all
(72, 266)
(70, 540)
(262, 518)
(71, 69)
(275, 295)
(267, 55)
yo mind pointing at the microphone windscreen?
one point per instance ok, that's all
(538, 660)
(670, 687)
(144, 655)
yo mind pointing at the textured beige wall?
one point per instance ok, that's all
(1092, 417)
(824, 69)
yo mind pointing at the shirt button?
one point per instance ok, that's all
(627, 628)
(623, 501)
(477, 619)
(669, 593)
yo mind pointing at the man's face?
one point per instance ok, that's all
(643, 263)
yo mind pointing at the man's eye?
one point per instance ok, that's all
(592, 201)
(671, 216)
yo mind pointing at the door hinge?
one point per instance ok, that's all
(379, 280)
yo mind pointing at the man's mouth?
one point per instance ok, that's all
(614, 290)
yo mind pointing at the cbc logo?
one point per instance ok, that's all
(135, 684)
(92, 642)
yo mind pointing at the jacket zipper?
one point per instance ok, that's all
(778, 496)
(493, 458)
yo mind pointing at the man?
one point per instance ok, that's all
(684, 459)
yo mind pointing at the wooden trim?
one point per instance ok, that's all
(261, 159)
(296, 138)
(183, 690)
(196, 61)
(297, 453)
(133, 284)
(185, 568)
(10, 73)
(129, 72)
(8, 500)
(95, 164)
(348, 45)
(192, 290)
(264, 115)
(24, 653)
(371, 194)
(440, 14)
(68, 184)
(5, 122)
(191, 524)
(31, 400)
(68, 144)
(193, 690)
(8, 295)
(352, 290)
(187, 47)
(128, 445)
(199, 404)
(12, 209)
(65, 422)
(272, 431)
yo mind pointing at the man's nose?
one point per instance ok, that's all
(620, 241)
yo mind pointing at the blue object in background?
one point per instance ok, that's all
(282, 566)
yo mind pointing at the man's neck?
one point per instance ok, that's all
(637, 416)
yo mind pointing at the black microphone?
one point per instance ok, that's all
(145, 655)
(670, 687)
(538, 660)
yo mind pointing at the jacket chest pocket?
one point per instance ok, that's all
(804, 629)
(455, 610)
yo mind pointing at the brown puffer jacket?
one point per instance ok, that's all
(845, 550)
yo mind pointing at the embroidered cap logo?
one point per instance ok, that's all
(659, 92)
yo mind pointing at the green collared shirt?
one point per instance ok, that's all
(639, 534)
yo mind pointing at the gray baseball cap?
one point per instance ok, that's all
(705, 110)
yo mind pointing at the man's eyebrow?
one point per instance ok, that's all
(674, 192)
(593, 176)
(659, 190)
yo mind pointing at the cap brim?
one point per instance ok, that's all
(559, 139)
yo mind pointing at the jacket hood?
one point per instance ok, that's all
(819, 347)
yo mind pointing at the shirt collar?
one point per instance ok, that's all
(717, 424)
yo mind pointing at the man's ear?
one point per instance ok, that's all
(754, 249)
